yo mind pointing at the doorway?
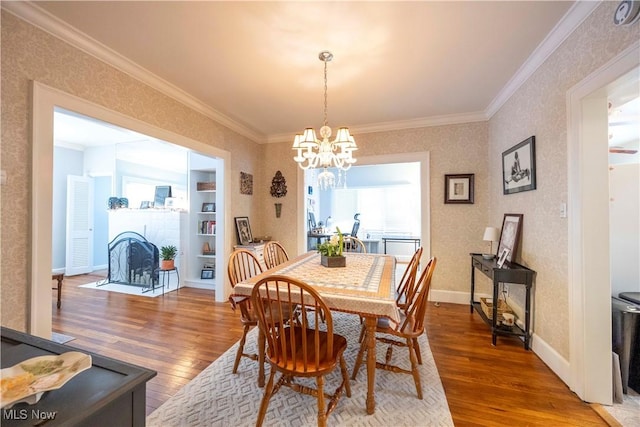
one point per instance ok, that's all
(421, 158)
(589, 248)
(45, 100)
(111, 162)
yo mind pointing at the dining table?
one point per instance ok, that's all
(364, 287)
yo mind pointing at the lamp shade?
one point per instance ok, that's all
(491, 234)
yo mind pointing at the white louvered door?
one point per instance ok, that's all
(79, 253)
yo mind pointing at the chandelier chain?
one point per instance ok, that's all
(326, 121)
(312, 152)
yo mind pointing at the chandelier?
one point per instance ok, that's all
(325, 154)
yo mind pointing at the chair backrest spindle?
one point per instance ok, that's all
(406, 287)
(243, 265)
(416, 308)
(274, 254)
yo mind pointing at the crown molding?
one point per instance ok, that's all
(563, 29)
(448, 119)
(58, 28)
(42, 19)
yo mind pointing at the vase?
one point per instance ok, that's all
(333, 261)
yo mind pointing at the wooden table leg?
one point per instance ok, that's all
(59, 278)
(370, 324)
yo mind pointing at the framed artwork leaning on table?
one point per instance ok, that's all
(510, 235)
(243, 230)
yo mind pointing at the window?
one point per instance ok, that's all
(383, 210)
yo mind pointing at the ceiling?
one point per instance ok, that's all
(254, 65)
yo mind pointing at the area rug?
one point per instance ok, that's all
(216, 397)
(61, 338)
(628, 412)
(128, 289)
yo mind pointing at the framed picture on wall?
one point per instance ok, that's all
(243, 230)
(458, 188)
(519, 167)
(510, 235)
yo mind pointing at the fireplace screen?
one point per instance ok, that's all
(133, 260)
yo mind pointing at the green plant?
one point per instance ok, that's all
(332, 247)
(168, 252)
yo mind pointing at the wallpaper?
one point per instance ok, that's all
(539, 108)
(31, 54)
(456, 229)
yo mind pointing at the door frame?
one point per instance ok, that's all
(588, 249)
(422, 157)
(44, 100)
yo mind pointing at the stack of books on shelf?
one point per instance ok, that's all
(207, 227)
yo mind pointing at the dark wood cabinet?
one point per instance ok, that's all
(513, 274)
(110, 393)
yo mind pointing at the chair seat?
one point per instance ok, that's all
(297, 364)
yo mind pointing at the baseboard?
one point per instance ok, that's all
(454, 297)
(558, 364)
(197, 285)
(94, 268)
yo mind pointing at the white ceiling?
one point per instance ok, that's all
(255, 66)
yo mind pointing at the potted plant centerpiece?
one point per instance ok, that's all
(331, 251)
(168, 254)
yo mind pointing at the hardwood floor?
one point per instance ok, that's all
(181, 333)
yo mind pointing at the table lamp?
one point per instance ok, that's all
(490, 235)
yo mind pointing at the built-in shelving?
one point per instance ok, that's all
(203, 201)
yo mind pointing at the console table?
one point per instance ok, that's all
(511, 273)
(110, 393)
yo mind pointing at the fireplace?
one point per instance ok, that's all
(133, 260)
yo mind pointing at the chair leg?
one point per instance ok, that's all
(261, 347)
(414, 367)
(345, 376)
(268, 391)
(363, 347)
(322, 414)
(362, 331)
(418, 353)
(240, 348)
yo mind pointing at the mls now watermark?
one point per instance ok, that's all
(26, 414)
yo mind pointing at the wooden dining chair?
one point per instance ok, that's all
(406, 333)
(274, 254)
(353, 244)
(296, 346)
(406, 286)
(405, 289)
(243, 265)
